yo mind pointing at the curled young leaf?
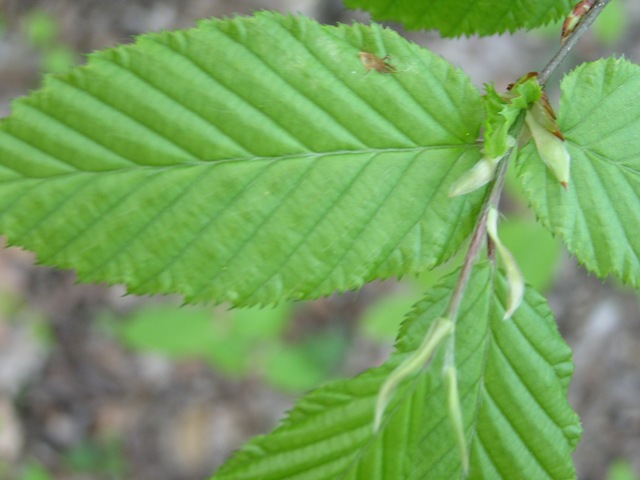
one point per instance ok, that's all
(549, 142)
(440, 330)
(479, 175)
(513, 274)
(502, 110)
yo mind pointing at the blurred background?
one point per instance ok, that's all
(98, 385)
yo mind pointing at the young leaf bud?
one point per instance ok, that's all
(551, 147)
(512, 271)
(480, 174)
(575, 17)
(439, 330)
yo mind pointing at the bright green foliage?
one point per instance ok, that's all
(248, 160)
(511, 416)
(253, 160)
(502, 112)
(467, 17)
(597, 217)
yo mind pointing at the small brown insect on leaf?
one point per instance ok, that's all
(373, 62)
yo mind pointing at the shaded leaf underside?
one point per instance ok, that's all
(513, 384)
(597, 217)
(467, 17)
(247, 160)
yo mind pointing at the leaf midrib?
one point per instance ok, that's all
(294, 156)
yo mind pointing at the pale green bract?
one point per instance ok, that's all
(509, 416)
(248, 160)
(501, 111)
(597, 216)
(512, 271)
(467, 17)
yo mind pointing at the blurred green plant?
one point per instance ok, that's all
(621, 470)
(41, 28)
(97, 457)
(383, 318)
(613, 24)
(42, 32)
(3, 25)
(236, 342)
(35, 471)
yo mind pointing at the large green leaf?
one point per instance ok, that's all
(467, 17)
(597, 217)
(513, 376)
(247, 160)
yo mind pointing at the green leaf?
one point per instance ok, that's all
(513, 380)
(597, 217)
(248, 160)
(467, 17)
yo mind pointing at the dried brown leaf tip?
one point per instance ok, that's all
(373, 62)
(521, 80)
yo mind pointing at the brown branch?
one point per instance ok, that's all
(572, 39)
